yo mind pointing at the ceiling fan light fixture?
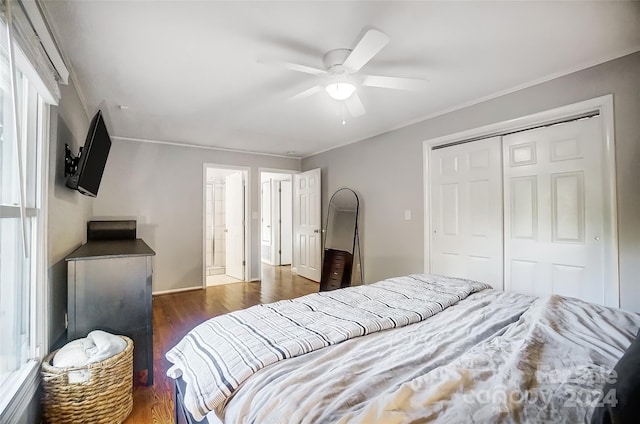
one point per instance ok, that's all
(340, 90)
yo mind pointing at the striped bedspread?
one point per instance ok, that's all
(221, 353)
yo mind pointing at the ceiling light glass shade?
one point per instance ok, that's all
(340, 90)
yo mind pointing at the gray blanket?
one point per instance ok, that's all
(216, 357)
(493, 357)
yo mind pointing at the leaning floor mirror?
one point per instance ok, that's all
(342, 242)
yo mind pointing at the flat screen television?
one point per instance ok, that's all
(93, 158)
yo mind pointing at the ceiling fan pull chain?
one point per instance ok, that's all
(344, 122)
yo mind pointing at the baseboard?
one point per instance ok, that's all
(156, 293)
(253, 280)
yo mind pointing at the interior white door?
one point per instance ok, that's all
(265, 221)
(286, 223)
(307, 231)
(553, 204)
(466, 205)
(209, 226)
(275, 222)
(234, 225)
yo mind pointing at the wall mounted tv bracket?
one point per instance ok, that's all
(70, 161)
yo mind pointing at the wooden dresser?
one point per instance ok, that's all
(109, 288)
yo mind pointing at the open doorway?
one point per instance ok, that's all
(276, 219)
(225, 238)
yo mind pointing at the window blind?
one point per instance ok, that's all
(32, 35)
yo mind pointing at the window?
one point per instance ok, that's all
(23, 167)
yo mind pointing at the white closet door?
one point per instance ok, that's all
(466, 204)
(553, 204)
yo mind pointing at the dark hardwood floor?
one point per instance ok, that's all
(175, 314)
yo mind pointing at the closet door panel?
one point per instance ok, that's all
(466, 204)
(554, 211)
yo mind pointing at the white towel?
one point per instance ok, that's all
(100, 345)
(96, 347)
(72, 355)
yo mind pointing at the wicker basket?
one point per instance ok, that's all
(105, 397)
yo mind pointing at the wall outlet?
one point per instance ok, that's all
(407, 215)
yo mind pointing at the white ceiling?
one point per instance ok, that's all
(189, 71)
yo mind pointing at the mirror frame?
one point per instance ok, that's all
(355, 230)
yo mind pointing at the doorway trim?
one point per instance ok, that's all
(275, 171)
(247, 222)
(604, 106)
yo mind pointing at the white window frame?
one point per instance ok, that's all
(16, 397)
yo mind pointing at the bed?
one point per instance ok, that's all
(419, 348)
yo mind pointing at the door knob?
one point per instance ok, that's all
(597, 238)
(316, 231)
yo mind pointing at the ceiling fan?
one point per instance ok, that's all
(341, 77)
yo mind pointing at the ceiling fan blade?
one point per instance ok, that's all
(394, 82)
(355, 106)
(306, 93)
(369, 45)
(295, 67)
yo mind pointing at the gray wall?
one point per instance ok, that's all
(387, 170)
(68, 210)
(160, 186)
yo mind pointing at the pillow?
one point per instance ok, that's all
(620, 400)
